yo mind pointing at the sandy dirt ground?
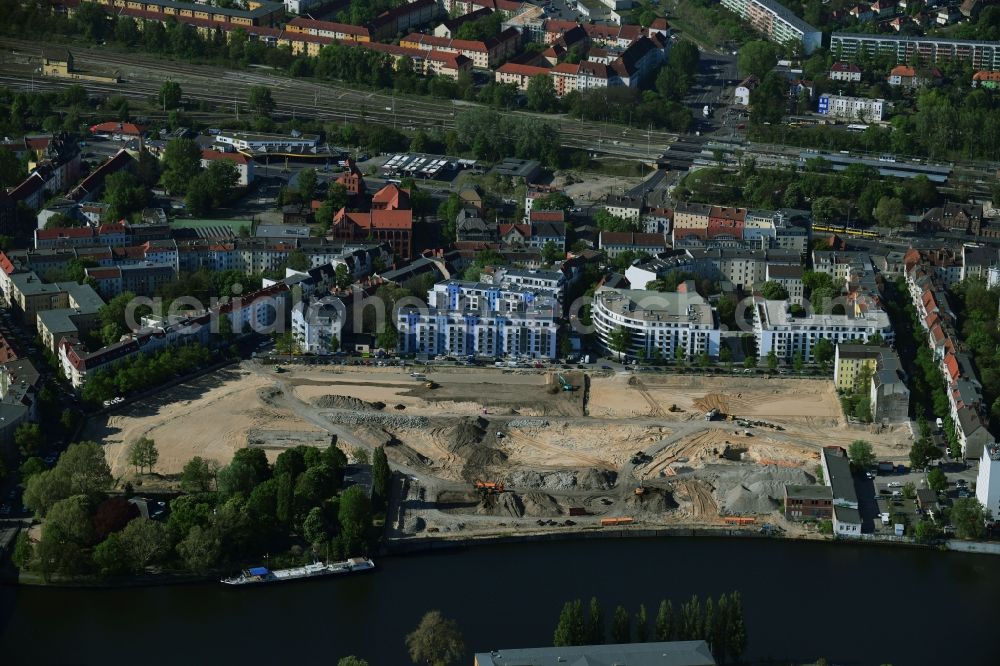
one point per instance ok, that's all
(209, 417)
(554, 451)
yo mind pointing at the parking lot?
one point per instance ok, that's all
(884, 496)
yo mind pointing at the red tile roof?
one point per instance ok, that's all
(212, 155)
(57, 233)
(116, 127)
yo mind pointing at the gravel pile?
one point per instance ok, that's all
(377, 419)
(346, 402)
(589, 479)
(527, 424)
(755, 490)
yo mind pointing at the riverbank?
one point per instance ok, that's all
(410, 546)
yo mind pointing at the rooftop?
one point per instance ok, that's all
(657, 306)
(674, 653)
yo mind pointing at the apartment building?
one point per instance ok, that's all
(657, 323)
(906, 49)
(881, 368)
(466, 318)
(777, 330)
(317, 325)
(776, 22)
(851, 108)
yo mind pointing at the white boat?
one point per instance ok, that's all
(260, 575)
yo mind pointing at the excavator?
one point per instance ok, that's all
(566, 386)
(488, 487)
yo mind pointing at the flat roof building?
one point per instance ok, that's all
(673, 653)
(776, 22)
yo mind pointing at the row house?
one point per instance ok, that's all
(260, 12)
(967, 407)
(340, 32)
(484, 54)
(506, 8)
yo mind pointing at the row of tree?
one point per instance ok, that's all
(145, 371)
(226, 514)
(718, 622)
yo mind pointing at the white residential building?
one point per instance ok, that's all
(988, 480)
(777, 330)
(851, 108)
(776, 22)
(317, 326)
(474, 319)
(657, 323)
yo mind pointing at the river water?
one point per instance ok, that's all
(849, 603)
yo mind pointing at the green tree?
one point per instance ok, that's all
(541, 94)
(170, 95)
(307, 184)
(355, 516)
(621, 631)
(110, 556)
(772, 361)
(23, 551)
(823, 353)
(198, 474)
(285, 507)
(381, 476)
(81, 470)
(595, 623)
(12, 170)
(641, 625)
(797, 362)
(388, 337)
(861, 455)
(200, 549)
(30, 467)
(968, 518)
(143, 454)
(256, 459)
(236, 478)
(890, 212)
(181, 163)
(936, 480)
(571, 629)
(757, 58)
(774, 291)
(619, 340)
(436, 641)
(664, 629)
(550, 253)
(260, 101)
(926, 532)
(66, 534)
(144, 542)
(736, 632)
(28, 438)
(922, 452)
(314, 527)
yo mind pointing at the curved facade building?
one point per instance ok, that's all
(658, 323)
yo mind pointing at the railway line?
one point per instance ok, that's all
(142, 76)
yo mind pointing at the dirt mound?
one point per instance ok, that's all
(506, 504)
(346, 402)
(540, 504)
(587, 479)
(597, 479)
(469, 438)
(651, 503)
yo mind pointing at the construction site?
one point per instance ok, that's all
(499, 451)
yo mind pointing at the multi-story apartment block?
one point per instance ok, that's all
(851, 108)
(317, 325)
(657, 323)
(981, 55)
(475, 319)
(776, 22)
(777, 330)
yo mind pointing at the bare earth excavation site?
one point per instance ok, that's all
(488, 451)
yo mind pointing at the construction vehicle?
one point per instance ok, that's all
(489, 487)
(640, 491)
(430, 385)
(566, 386)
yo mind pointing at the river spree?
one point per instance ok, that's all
(850, 604)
